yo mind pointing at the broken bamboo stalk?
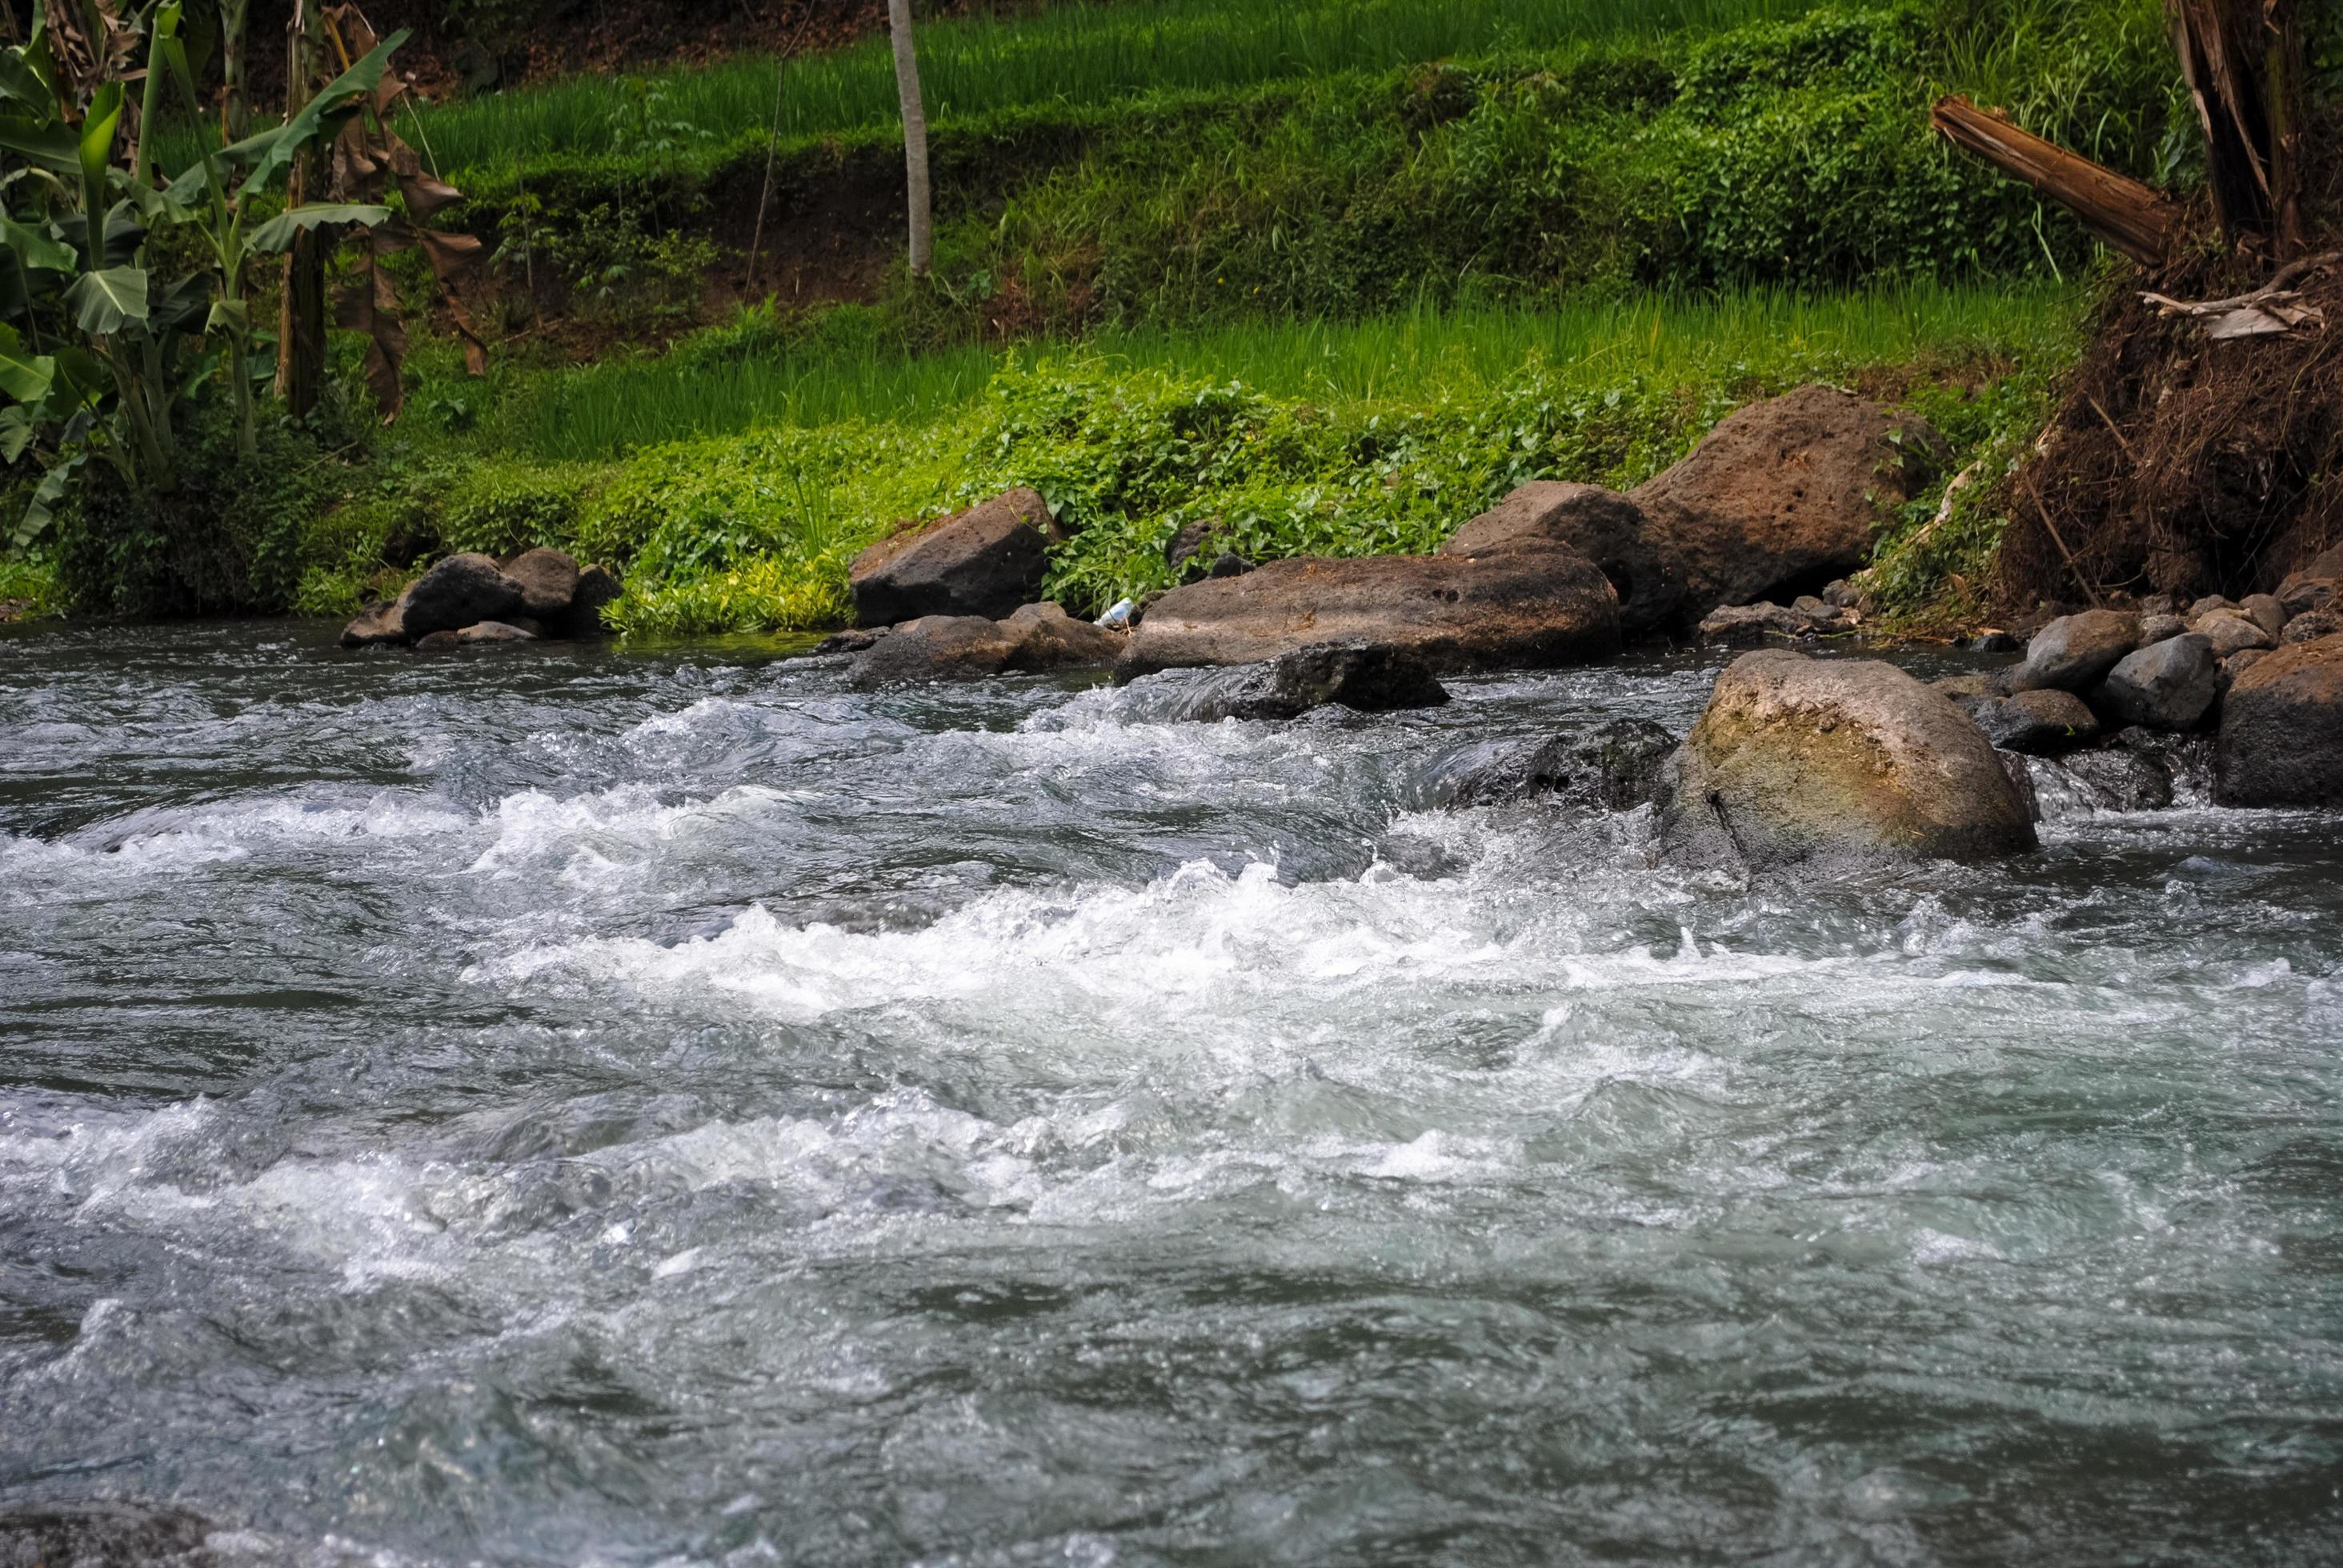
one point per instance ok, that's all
(2129, 216)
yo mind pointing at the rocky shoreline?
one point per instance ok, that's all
(1797, 762)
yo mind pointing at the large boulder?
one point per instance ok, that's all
(1802, 762)
(1786, 493)
(1605, 527)
(985, 561)
(2282, 729)
(1616, 768)
(460, 591)
(2074, 652)
(2168, 685)
(1516, 608)
(1036, 640)
(1366, 678)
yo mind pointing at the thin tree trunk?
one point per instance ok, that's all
(915, 136)
(236, 111)
(2129, 216)
(301, 321)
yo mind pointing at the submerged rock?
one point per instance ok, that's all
(104, 1535)
(1802, 762)
(1616, 768)
(2281, 740)
(1787, 492)
(1605, 527)
(1538, 607)
(985, 562)
(494, 632)
(1366, 678)
(2107, 779)
(1037, 638)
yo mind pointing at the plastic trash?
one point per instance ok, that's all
(1119, 617)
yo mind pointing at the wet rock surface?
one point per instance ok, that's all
(1037, 638)
(1518, 608)
(2281, 741)
(1800, 762)
(1366, 678)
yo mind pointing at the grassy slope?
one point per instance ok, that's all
(1339, 313)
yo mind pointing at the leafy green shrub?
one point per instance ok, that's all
(228, 540)
(501, 508)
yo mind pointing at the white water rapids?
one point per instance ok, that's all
(582, 1107)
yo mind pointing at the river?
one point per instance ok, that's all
(582, 1106)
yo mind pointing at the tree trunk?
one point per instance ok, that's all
(2243, 61)
(236, 110)
(301, 321)
(2127, 216)
(915, 136)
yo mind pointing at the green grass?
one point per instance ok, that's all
(1071, 53)
(734, 497)
(1421, 357)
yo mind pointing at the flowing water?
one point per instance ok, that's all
(581, 1107)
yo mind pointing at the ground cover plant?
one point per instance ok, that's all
(1303, 438)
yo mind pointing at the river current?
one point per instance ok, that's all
(582, 1106)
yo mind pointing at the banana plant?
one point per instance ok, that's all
(97, 352)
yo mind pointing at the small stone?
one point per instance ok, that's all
(2228, 631)
(488, 631)
(2312, 625)
(2155, 628)
(438, 641)
(1842, 594)
(2170, 685)
(2264, 611)
(2237, 663)
(1229, 564)
(2159, 604)
(377, 626)
(2037, 723)
(2207, 606)
(1993, 642)
(854, 639)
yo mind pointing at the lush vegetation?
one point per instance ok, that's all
(1292, 439)
(1333, 275)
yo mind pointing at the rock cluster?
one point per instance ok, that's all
(472, 600)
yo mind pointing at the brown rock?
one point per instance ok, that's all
(1604, 526)
(1532, 608)
(2282, 729)
(1037, 638)
(1785, 493)
(2075, 651)
(493, 631)
(377, 625)
(440, 641)
(2229, 631)
(2264, 611)
(549, 581)
(985, 561)
(2312, 625)
(1843, 762)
